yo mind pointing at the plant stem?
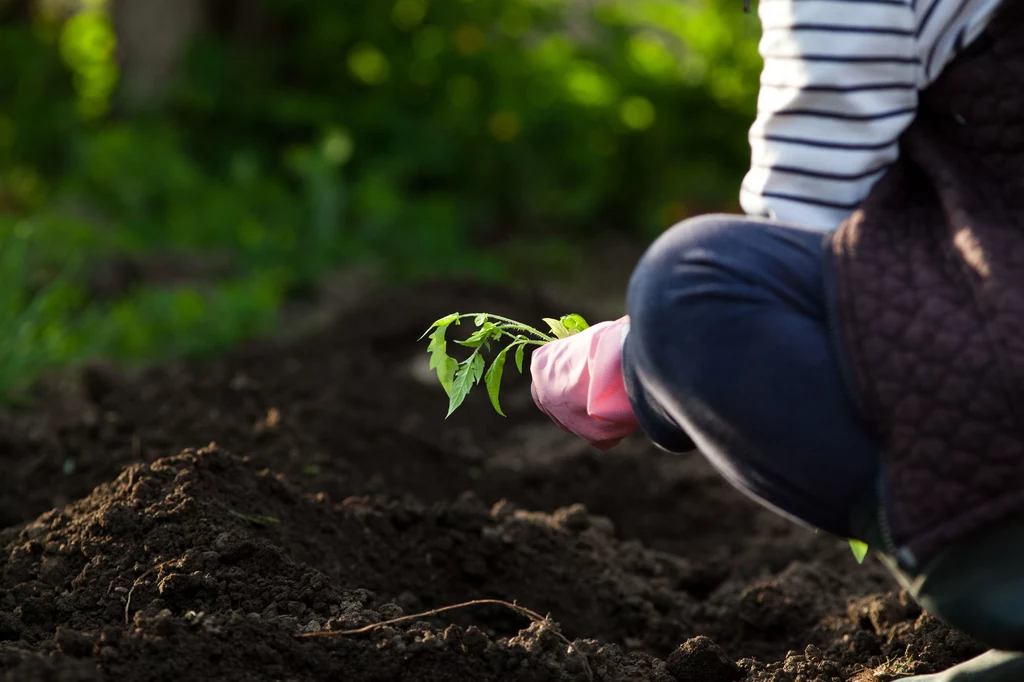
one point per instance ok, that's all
(512, 324)
(519, 338)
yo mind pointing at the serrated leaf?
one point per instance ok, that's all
(493, 379)
(439, 361)
(480, 319)
(481, 336)
(476, 362)
(860, 550)
(443, 322)
(557, 328)
(446, 374)
(460, 385)
(520, 352)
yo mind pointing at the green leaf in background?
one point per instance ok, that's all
(860, 550)
(388, 156)
(520, 352)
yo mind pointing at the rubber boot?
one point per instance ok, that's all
(975, 586)
(994, 666)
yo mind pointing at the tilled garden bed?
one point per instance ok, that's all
(213, 521)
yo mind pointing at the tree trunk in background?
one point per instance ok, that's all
(152, 37)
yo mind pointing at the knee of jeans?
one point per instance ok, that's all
(657, 321)
(657, 277)
(705, 234)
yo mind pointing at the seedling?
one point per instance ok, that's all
(457, 378)
(860, 550)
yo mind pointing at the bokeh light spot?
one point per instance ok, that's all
(338, 146)
(368, 64)
(408, 14)
(637, 113)
(589, 86)
(648, 55)
(88, 45)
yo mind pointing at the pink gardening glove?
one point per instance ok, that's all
(577, 381)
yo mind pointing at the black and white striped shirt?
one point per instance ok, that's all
(840, 84)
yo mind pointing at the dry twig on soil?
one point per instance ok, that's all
(522, 611)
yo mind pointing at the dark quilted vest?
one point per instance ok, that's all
(930, 300)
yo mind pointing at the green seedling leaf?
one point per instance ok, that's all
(460, 388)
(477, 364)
(468, 374)
(445, 322)
(481, 336)
(458, 379)
(574, 323)
(557, 328)
(439, 360)
(493, 379)
(860, 550)
(567, 325)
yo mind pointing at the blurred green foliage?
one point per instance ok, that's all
(415, 135)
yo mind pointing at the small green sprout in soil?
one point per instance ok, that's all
(860, 550)
(457, 378)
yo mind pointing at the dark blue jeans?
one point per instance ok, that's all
(731, 349)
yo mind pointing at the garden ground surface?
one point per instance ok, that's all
(190, 522)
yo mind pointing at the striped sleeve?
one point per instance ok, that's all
(839, 85)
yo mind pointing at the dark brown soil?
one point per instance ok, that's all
(336, 496)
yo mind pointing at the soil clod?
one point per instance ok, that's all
(701, 660)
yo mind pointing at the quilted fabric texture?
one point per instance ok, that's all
(930, 300)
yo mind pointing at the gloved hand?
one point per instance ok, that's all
(577, 381)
